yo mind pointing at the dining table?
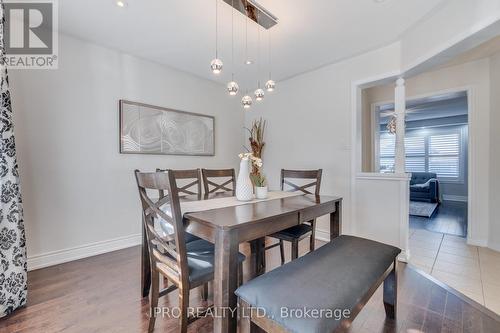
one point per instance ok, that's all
(226, 222)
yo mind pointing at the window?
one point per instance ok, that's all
(415, 153)
(387, 152)
(444, 155)
(433, 150)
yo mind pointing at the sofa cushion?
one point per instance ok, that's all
(421, 177)
(335, 276)
(420, 188)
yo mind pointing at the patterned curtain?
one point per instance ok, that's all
(13, 268)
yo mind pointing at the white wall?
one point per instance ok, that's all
(67, 131)
(494, 240)
(382, 203)
(452, 22)
(77, 188)
(310, 123)
(475, 76)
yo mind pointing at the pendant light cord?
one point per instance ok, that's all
(269, 51)
(259, 68)
(246, 30)
(216, 29)
(232, 39)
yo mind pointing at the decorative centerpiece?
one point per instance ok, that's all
(256, 139)
(244, 186)
(260, 182)
(257, 144)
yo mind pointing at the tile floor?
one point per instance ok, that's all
(472, 270)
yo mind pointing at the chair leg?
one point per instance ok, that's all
(240, 274)
(313, 235)
(247, 325)
(263, 254)
(204, 292)
(165, 282)
(183, 306)
(295, 249)
(391, 293)
(282, 252)
(153, 304)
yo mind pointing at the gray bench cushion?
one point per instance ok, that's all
(335, 276)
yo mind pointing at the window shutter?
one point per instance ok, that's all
(386, 164)
(444, 157)
(387, 145)
(415, 153)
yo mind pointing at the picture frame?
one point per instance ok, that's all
(155, 130)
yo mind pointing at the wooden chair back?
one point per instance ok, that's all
(286, 175)
(167, 252)
(208, 180)
(191, 188)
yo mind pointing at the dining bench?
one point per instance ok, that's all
(322, 291)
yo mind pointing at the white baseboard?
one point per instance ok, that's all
(494, 246)
(83, 251)
(322, 235)
(477, 242)
(449, 197)
(404, 256)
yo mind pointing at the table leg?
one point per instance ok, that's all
(336, 221)
(145, 266)
(225, 281)
(258, 250)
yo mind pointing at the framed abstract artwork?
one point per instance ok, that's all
(149, 129)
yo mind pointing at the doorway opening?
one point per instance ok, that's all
(436, 148)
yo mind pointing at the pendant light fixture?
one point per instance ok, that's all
(270, 84)
(232, 86)
(259, 93)
(246, 101)
(253, 13)
(216, 64)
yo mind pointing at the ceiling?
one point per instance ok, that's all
(434, 107)
(484, 50)
(181, 33)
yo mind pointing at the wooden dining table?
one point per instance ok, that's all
(227, 227)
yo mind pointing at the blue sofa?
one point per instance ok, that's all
(424, 186)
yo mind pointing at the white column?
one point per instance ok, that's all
(400, 110)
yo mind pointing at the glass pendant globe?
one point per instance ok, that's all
(259, 94)
(232, 88)
(246, 101)
(216, 66)
(270, 85)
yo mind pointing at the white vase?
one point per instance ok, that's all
(260, 192)
(244, 187)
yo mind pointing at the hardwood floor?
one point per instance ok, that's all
(450, 218)
(102, 294)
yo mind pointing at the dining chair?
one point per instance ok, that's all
(194, 179)
(185, 265)
(193, 188)
(307, 229)
(209, 177)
